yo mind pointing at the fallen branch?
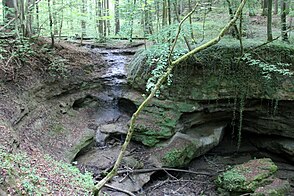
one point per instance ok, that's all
(120, 190)
(160, 81)
(164, 169)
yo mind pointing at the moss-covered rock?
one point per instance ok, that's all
(217, 73)
(159, 120)
(247, 177)
(183, 147)
(277, 187)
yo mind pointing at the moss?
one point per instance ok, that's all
(248, 176)
(146, 140)
(150, 137)
(179, 157)
(57, 128)
(277, 187)
(218, 71)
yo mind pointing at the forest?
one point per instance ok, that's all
(146, 97)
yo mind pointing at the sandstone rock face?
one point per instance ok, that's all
(262, 118)
(279, 145)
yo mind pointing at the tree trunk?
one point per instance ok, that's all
(269, 21)
(61, 22)
(164, 13)
(8, 11)
(29, 17)
(54, 17)
(148, 29)
(37, 19)
(83, 22)
(116, 17)
(276, 10)
(51, 23)
(108, 26)
(284, 21)
(264, 8)
(169, 12)
(234, 30)
(104, 20)
(100, 15)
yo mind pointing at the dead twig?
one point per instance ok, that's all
(164, 169)
(173, 177)
(119, 189)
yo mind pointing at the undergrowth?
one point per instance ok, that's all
(37, 174)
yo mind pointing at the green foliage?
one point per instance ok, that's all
(157, 61)
(20, 48)
(22, 174)
(58, 68)
(231, 179)
(268, 69)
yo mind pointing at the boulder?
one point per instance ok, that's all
(247, 177)
(183, 147)
(277, 187)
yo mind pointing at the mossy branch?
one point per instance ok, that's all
(160, 81)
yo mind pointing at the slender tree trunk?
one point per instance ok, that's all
(264, 8)
(169, 12)
(108, 21)
(29, 17)
(22, 18)
(116, 17)
(54, 17)
(100, 15)
(191, 22)
(276, 10)
(269, 21)
(83, 22)
(164, 13)
(148, 29)
(132, 21)
(104, 20)
(61, 21)
(284, 20)
(8, 12)
(234, 30)
(37, 19)
(51, 23)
